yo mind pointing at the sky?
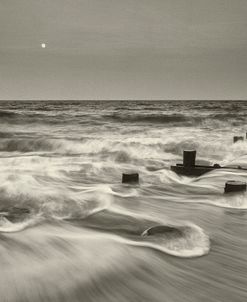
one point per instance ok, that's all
(123, 49)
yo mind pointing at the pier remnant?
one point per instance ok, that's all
(132, 178)
(189, 168)
(189, 158)
(238, 138)
(235, 186)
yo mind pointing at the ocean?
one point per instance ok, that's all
(71, 231)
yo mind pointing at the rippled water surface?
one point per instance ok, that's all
(70, 231)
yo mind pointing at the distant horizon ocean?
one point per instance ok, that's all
(71, 231)
(123, 100)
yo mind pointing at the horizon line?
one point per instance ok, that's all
(116, 100)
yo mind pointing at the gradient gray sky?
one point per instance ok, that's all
(123, 49)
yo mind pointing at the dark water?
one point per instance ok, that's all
(70, 231)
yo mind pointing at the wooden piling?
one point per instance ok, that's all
(132, 178)
(189, 158)
(235, 186)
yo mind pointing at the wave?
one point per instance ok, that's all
(227, 116)
(180, 241)
(121, 150)
(192, 243)
(4, 114)
(6, 226)
(51, 117)
(148, 118)
(118, 150)
(158, 113)
(56, 145)
(5, 134)
(28, 145)
(31, 193)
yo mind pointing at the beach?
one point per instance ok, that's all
(71, 231)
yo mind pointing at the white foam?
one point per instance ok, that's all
(7, 226)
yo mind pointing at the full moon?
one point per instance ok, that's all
(43, 45)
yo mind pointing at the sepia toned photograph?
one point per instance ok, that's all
(123, 150)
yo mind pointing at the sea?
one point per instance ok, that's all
(71, 231)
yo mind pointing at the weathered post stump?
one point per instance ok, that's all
(189, 158)
(237, 138)
(132, 178)
(235, 186)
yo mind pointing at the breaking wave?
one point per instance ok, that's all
(7, 226)
(183, 241)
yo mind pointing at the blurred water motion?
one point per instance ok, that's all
(70, 231)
